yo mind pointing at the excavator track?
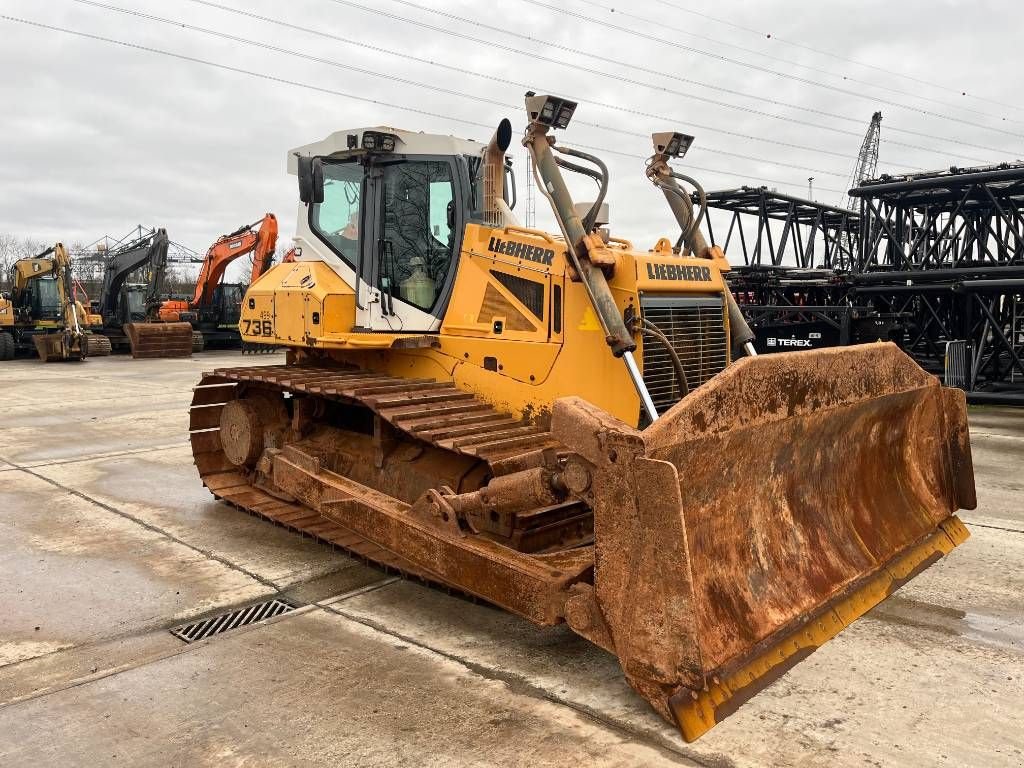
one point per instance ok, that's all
(427, 411)
(97, 345)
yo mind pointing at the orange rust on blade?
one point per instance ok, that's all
(695, 712)
(798, 474)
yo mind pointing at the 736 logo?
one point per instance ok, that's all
(258, 327)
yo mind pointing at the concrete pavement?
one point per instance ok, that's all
(108, 539)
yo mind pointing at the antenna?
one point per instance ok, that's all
(531, 194)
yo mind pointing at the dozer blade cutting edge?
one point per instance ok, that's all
(762, 514)
(159, 339)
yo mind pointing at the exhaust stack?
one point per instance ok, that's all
(494, 173)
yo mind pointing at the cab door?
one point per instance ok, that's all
(419, 207)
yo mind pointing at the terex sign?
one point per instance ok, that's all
(773, 342)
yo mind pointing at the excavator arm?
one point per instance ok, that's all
(26, 270)
(149, 249)
(258, 238)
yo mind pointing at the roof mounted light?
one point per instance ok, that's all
(550, 110)
(375, 141)
(671, 143)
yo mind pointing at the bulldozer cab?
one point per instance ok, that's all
(392, 209)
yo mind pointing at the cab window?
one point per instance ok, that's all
(336, 219)
(417, 237)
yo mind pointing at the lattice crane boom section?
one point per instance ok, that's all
(935, 261)
(867, 159)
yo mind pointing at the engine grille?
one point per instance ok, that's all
(695, 325)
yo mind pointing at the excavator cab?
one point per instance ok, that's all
(40, 300)
(227, 304)
(131, 304)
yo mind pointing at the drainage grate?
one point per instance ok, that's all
(200, 630)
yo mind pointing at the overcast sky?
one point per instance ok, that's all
(97, 138)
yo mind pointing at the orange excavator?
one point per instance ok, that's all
(215, 308)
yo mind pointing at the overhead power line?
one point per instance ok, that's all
(263, 45)
(674, 121)
(330, 91)
(660, 23)
(492, 45)
(833, 55)
(759, 68)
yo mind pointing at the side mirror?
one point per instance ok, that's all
(451, 214)
(311, 180)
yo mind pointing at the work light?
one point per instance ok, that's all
(671, 143)
(550, 110)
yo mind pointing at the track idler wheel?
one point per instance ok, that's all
(244, 424)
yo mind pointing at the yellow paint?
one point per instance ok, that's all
(536, 361)
(589, 321)
(697, 715)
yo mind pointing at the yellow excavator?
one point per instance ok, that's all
(41, 310)
(570, 427)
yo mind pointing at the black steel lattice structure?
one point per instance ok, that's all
(769, 228)
(935, 262)
(948, 248)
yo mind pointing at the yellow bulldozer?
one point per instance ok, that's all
(42, 311)
(570, 427)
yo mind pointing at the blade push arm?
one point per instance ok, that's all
(587, 252)
(667, 146)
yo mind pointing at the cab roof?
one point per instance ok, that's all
(409, 143)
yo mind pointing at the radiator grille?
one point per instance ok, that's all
(696, 328)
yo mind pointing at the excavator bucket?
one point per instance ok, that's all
(159, 339)
(763, 513)
(54, 347)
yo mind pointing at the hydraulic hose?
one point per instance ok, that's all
(595, 209)
(650, 329)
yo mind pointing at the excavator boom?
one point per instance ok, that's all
(259, 239)
(212, 311)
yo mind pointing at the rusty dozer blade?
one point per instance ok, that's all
(761, 515)
(159, 339)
